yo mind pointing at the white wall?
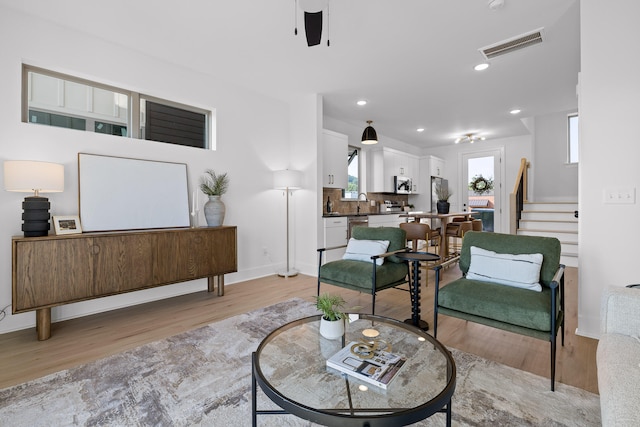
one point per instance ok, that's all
(554, 179)
(609, 152)
(253, 139)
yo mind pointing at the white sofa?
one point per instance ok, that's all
(618, 357)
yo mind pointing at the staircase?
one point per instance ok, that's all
(553, 219)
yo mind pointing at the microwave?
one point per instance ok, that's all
(402, 184)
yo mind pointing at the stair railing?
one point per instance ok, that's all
(518, 198)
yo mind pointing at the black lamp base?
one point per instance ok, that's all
(36, 216)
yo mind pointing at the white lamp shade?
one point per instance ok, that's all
(287, 179)
(28, 176)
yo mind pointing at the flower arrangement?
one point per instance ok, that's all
(443, 194)
(480, 184)
(213, 184)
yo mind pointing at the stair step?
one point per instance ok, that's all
(550, 206)
(566, 236)
(549, 215)
(535, 224)
(569, 261)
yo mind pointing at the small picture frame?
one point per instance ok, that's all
(69, 224)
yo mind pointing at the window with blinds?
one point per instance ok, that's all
(165, 123)
(55, 99)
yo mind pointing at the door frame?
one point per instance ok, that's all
(499, 171)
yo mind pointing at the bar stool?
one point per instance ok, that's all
(420, 231)
(455, 233)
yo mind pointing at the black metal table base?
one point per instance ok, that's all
(414, 259)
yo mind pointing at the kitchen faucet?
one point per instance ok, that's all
(358, 201)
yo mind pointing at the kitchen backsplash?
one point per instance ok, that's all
(350, 207)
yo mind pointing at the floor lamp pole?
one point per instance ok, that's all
(287, 272)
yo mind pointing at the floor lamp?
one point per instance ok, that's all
(287, 180)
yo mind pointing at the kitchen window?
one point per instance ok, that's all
(55, 99)
(353, 173)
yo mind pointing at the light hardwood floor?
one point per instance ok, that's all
(81, 340)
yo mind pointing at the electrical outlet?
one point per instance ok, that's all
(265, 251)
(620, 195)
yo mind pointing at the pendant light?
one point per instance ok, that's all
(369, 136)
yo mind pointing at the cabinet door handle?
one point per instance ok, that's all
(95, 249)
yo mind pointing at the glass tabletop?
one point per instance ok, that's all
(290, 367)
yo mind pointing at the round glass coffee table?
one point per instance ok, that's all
(290, 367)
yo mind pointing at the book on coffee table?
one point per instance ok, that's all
(379, 370)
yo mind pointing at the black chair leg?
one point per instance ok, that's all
(373, 304)
(553, 363)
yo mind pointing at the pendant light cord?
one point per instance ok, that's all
(295, 17)
(328, 23)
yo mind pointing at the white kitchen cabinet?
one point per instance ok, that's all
(334, 159)
(436, 166)
(414, 168)
(385, 164)
(335, 234)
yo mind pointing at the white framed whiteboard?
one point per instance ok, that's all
(118, 193)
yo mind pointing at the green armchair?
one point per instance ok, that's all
(477, 298)
(368, 276)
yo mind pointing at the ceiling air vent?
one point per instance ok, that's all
(515, 43)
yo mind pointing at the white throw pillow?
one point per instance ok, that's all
(521, 271)
(363, 250)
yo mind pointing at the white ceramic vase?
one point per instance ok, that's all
(214, 211)
(331, 329)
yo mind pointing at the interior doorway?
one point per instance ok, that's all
(482, 187)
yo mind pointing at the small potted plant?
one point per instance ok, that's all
(332, 321)
(443, 194)
(214, 185)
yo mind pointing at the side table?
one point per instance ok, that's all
(416, 258)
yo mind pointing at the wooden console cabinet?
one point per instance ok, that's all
(55, 270)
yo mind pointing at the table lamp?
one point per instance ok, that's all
(287, 180)
(26, 176)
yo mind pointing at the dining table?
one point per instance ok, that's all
(444, 220)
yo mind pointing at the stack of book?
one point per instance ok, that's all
(378, 369)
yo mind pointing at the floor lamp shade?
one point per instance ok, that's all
(287, 180)
(26, 176)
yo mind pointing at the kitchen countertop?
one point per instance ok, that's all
(333, 215)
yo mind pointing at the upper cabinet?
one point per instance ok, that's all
(385, 164)
(334, 159)
(436, 166)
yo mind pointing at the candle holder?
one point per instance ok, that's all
(194, 218)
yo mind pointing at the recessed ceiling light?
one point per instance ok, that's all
(515, 111)
(420, 130)
(481, 67)
(361, 102)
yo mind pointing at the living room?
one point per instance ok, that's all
(257, 134)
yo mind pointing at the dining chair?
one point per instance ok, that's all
(417, 231)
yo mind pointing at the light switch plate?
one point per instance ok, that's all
(620, 195)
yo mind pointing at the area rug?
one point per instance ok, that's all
(203, 377)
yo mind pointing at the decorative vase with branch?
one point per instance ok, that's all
(214, 185)
(442, 195)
